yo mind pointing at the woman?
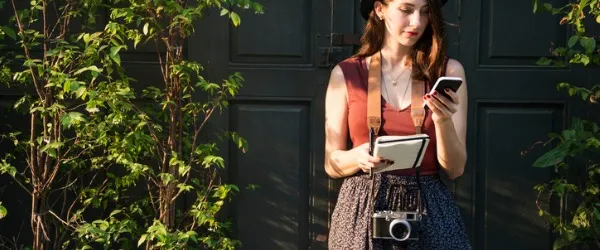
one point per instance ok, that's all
(408, 34)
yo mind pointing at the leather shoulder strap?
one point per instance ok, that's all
(374, 94)
(417, 111)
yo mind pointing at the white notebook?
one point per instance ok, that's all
(406, 151)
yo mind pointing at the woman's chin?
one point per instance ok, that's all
(407, 42)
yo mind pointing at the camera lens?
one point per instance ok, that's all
(400, 229)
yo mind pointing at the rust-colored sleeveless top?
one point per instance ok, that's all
(393, 121)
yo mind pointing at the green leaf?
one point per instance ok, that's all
(167, 178)
(209, 160)
(92, 68)
(559, 243)
(5, 167)
(588, 43)
(552, 157)
(183, 187)
(598, 19)
(145, 29)
(81, 93)
(224, 12)
(8, 31)
(572, 41)
(115, 212)
(142, 239)
(3, 211)
(114, 55)
(235, 18)
(585, 60)
(597, 213)
(569, 134)
(102, 224)
(544, 61)
(535, 5)
(184, 169)
(72, 118)
(20, 101)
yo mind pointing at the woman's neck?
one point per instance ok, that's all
(395, 53)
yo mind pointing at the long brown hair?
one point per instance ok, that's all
(428, 54)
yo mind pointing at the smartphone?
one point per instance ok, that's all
(446, 82)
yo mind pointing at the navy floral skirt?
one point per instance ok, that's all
(351, 222)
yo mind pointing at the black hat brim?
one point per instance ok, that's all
(366, 6)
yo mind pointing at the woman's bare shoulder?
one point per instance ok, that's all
(455, 68)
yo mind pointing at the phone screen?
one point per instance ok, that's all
(452, 83)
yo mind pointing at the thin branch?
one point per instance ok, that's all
(32, 148)
(22, 185)
(47, 140)
(70, 183)
(61, 220)
(80, 194)
(27, 53)
(208, 115)
(160, 62)
(151, 197)
(208, 187)
(45, 32)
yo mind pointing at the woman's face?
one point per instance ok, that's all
(405, 20)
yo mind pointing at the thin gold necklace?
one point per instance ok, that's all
(394, 83)
(391, 69)
(403, 95)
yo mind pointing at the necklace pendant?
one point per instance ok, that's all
(394, 83)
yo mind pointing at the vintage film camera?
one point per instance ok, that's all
(396, 225)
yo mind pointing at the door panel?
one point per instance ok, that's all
(507, 218)
(276, 214)
(513, 104)
(280, 111)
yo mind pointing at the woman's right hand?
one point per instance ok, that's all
(365, 161)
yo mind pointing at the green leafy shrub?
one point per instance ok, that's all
(576, 150)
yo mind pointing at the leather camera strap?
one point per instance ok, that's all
(417, 113)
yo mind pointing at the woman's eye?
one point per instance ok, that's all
(407, 11)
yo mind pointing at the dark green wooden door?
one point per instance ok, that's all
(513, 104)
(280, 112)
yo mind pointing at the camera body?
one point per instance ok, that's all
(396, 225)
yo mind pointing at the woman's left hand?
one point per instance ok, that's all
(443, 108)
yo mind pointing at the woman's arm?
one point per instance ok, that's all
(338, 161)
(451, 124)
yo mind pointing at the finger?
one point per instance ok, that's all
(452, 95)
(374, 159)
(438, 98)
(384, 163)
(436, 106)
(367, 168)
(446, 109)
(441, 97)
(451, 105)
(366, 164)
